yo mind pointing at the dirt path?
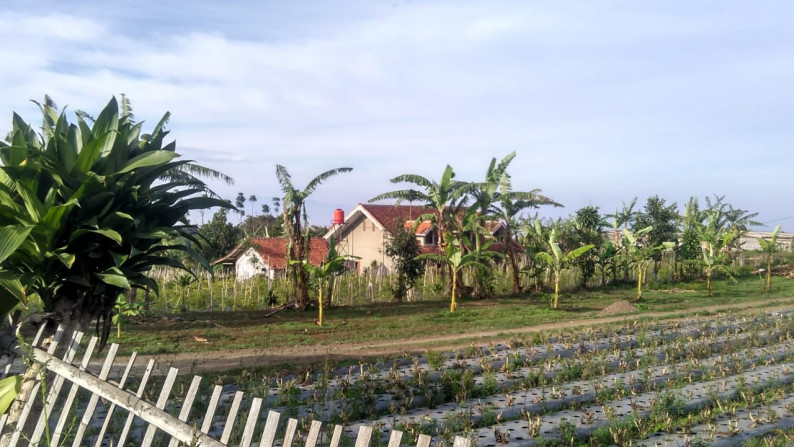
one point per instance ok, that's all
(221, 360)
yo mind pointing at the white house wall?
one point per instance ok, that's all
(250, 264)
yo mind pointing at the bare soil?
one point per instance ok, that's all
(217, 359)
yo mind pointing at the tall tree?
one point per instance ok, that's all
(663, 220)
(403, 249)
(219, 236)
(587, 226)
(296, 226)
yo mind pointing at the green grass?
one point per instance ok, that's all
(228, 330)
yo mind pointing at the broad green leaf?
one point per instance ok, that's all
(110, 234)
(11, 292)
(149, 159)
(90, 153)
(114, 279)
(9, 388)
(11, 237)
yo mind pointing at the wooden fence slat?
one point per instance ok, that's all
(250, 423)
(289, 435)
(187, 403)
(314, 434)
(55, 391)
(364, 435)
(139, 407)
(89, 410)
(394, 438)
(423, 441)
(269, 433)
(122, 382)
(131, 416)
(34, 392)
(208, 417)
(337, 436)
(165, 391)
(227, 429)
(67, 406)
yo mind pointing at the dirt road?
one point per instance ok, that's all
(223, 360)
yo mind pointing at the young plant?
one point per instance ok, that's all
(455, 257)
(556, 259)
(333, 265)
(769, 248)
(123, 309)
(641, 254)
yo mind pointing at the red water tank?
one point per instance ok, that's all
(339, 217)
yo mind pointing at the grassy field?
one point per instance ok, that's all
(207, 331)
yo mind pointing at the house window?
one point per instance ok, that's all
(431, 238)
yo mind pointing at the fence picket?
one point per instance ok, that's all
(67, 406)
(289, 434)
(130, 417)
(394, 438)
(250, 423)
(165, 391)
(89, 411)
(269, 433)
(364, 435)
(55, 391)
(337, 436)
(423, 441)
(314, 434)
(461, 442)
(210, 414)
(122, 382)
(227, 429)
(186, 404)
(23, 417)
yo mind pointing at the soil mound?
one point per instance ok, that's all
(618, 307)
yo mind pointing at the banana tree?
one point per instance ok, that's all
(456, 258)
(333, 265)
(641, 254)
(769, 248)
(556, 259)
(296, 226)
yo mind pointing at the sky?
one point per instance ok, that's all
(602, 101)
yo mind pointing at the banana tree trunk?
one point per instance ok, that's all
(769, 274)
(639, 282)
(556, 298)
(452, 304)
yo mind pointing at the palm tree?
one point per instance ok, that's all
(495, 197)
(296, 226)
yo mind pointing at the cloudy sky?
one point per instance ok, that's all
(602, 101)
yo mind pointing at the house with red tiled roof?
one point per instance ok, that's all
(364, 231)
(268, 256)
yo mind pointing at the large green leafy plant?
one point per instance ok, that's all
(103, 204)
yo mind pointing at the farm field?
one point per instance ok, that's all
(389, 327)
(719, 380)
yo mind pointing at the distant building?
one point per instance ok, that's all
(749, 241)
(260, 256)
(364, 232)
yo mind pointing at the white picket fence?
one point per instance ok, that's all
(62, 418)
